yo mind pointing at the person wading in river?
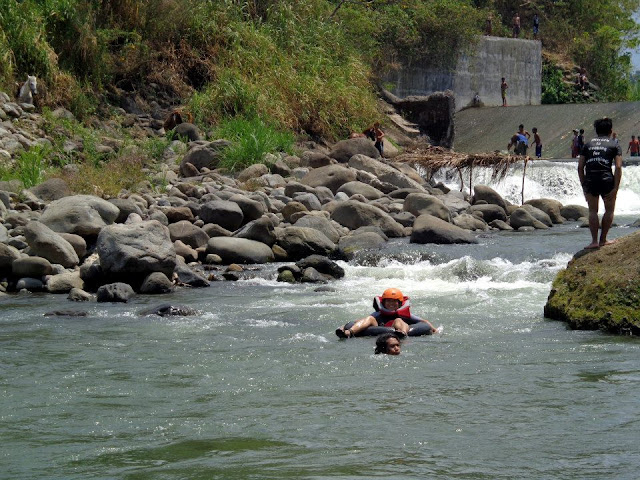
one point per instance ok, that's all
(598, 179)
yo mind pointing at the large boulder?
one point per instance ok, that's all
(538, 214)
(430, 229)
(423, 203)
(599, 289)
(84, 215)
(300, 242)
(239, 250)
(351, 244)
(345, 149)
(489, 195)
(470, 222)
(8, 255)
(549, 206)
(353, 215)
(64, 282)
(384, 172)
(136, 249)
(115, 292)
(359, 188)
(260, 230)
(33, 267)
(321, 264)
(522, 218)
(46, 243)
(156, 283)
(188, 233)
(222, 212)
(490, 212)
(52, 189)
(321, 224)
(200, 157)
(331, 176)
(574, 212)
(126, 207)
(251, 209)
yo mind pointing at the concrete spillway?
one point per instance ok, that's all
(488, 129)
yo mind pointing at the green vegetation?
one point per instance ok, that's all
(252, 140)
(304, 66)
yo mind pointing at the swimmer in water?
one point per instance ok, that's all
(388, 344)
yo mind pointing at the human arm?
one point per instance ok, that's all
(581, 174)
(416, 319)
(617, 174)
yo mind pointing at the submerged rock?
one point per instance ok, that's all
(600, 289)
(166, 310)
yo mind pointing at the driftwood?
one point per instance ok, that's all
(432, 159)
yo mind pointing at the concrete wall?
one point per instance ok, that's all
(519, 61)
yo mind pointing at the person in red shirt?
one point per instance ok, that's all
(634, 147)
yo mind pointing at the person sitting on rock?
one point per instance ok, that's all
(387, 343)
(392, 309)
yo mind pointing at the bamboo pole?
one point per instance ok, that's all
(524, 172)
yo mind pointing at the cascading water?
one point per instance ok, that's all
(545, 179)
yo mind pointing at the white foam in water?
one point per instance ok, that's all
(546, 179)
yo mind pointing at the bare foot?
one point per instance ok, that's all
(591, 246)
(607, 242)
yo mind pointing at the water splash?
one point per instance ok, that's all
(555, 180)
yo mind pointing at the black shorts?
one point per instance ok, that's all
(598, 185)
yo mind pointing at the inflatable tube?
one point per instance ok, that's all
(415, 330)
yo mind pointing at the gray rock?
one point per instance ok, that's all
(384, 172)
(309, 200)
(470, 222)
(79, 295)
(199, 157)
(126, 208)
(187, 130)
(311, 275)
(115, 292)
(30, 284)
(83, 215)
(8, 255)
(430, 229)
(188, 233)
(188, 277)
(367, 191)
(167, 310)
(291, 209)
(214, 230)
(489, 195)
(239, 250)
(78, 243)
(499, 224)
(64, 282)
(423, 203)
(286, 276)
(320, 223)
(222, 212)
(549, 206)
(260, 230)
(353, 214)
(455, 201)
(321, 264)
(538, 214)
(251, 209)
(295, 187)
(46, 243)
(574, 212)
(52, 189)
(185, 251)
(4, 234)
(351, 244)
(405, 219)
(345, 149)
(331, 176)
(34, 267)
(313, 159)
(521, 217)
(253, 171)
(489, 212)
(140, 248)
(300, 242)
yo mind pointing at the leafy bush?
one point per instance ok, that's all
(554, 90)
(30, 165)
(252, 139)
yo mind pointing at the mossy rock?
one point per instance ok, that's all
(600, 289)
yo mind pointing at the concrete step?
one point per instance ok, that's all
(405, 126)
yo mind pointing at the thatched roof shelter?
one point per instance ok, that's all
(432, 159)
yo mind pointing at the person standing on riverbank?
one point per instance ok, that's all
(376, 134)
(598, 180)
(536, 26)
(503, 91)
(516, 25)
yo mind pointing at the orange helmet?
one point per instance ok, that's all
(392, 293)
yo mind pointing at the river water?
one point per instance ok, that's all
(257, 386)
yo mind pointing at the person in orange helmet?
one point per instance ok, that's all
(392, 309)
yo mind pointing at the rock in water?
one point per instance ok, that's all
(600, 289)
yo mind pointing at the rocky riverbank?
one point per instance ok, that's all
(203, 224)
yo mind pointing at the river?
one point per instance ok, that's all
(257, 385)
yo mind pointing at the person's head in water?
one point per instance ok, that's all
(388, 344)
(603, 126)
(392, 299)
